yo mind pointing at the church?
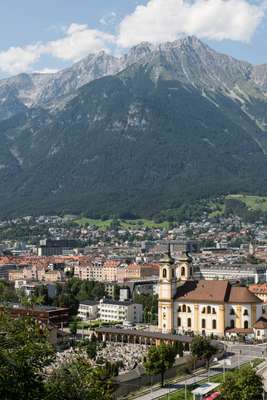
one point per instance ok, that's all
(205, 307)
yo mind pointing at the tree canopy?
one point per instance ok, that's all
(159, 359)
(243, 384)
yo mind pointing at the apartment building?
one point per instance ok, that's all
(111, 310)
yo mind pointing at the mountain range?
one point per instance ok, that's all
(149, 131)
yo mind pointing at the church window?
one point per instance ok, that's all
(209, 309)
(203, 323)
(164, 273)
(214, 324)
(189, 322)
(232, 323)
(184, 308)
(246, 325)
(183, 271)
(188, 309)
(178, 321)
(245, 312)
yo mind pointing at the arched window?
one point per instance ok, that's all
(232, 312)
(209, 309)
(188, 309)
(179, 321)
(184, 308)
(213, 311)
(214, 324)
(164, 273)
(179, 309)
(245, 312)
(232, 323)
(203, 323)
(245, 324)
(189, 322)
(183, 271)
(204, 310)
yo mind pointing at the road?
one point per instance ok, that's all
(238, 354)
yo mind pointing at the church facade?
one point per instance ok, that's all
(203, 307)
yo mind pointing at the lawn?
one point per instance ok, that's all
(125, 224)
(252, 202)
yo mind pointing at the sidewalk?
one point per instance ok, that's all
(175, 386)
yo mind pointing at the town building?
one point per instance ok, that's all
(111, 310)
(260, 291)
(207, 307)
(88, 310)
(234, 272)
(49, 247)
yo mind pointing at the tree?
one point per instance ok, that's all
(242, 384)
(24, 353)
(73, 328)
(78, 380)
(201, 347)
(159, 359)
(179, 348)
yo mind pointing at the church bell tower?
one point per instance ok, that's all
(185, 269)
(167, 291)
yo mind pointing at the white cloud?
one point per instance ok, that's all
(166, 20)
(78, 42)
(19, 59)
(47, 71)
(108, 19)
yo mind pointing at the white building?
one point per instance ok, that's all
(109, 310)
(88, 310)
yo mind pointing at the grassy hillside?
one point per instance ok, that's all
(252, 202)
(125, 224)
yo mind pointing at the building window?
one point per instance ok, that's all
(183, 271)
(188, 309)
(179, 309)
(178, 321)
(213, 311)
(204, 310)
(173, 273)
(245, 324)
(164, 273)
(203, 324)
(232, 323)
(214, 324)
(184, 308)
(189, 322)
(245, 312)
(232, 311)
(209, 309)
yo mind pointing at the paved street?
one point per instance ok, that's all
(174, 386)
(242, 354)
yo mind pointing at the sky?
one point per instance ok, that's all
(48, 35)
